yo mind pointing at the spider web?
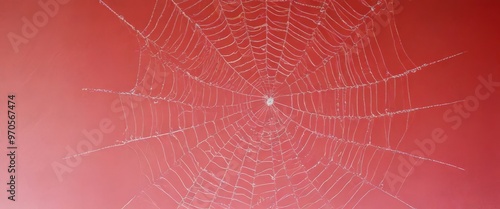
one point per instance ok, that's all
(200, 120)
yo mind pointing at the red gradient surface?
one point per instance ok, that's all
(205, 119)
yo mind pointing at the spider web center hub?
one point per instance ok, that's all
(269, 101)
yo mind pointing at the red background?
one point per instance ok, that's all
(85, 46)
